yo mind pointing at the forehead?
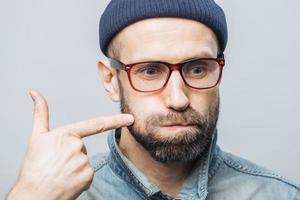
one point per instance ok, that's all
(167, 39)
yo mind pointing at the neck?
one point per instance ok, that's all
(169, 177)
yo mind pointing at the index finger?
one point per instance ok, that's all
(96, 125)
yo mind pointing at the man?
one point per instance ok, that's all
(165, 65)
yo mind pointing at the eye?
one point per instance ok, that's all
(197, 69)
(150, 70)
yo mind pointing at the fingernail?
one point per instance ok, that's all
(31, 95)
(130, 118)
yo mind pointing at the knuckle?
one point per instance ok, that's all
(82, 161)
(88, 175)
(99, 126)
(90, 172)
(85, 160)
(77, 144)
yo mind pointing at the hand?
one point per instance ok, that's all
(56, 165)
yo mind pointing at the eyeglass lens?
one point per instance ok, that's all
(153, 76)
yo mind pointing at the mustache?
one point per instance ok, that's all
(189, 116)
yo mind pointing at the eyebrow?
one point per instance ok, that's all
(200, 55)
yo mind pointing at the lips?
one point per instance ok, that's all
(174, 125)
(178, 124)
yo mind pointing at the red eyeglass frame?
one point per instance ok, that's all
(121, 66)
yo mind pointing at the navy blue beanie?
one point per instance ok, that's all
(121, 13)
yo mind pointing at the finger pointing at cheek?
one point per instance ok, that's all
(96, 125)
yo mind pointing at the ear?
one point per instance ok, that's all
(109, 78)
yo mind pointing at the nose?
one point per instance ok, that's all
(176, 92)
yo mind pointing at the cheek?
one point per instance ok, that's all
(203, 100)
(143, 106)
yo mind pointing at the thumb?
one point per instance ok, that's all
(40, 114)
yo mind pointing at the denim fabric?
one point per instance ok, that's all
(216, 176)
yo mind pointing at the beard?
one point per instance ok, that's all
(185, 146)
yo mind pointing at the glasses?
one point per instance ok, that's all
(199, 73)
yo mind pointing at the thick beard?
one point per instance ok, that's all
(188, 145)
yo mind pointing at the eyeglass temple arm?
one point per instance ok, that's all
(221, 55)
(116, 64)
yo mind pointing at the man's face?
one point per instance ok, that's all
(171, 40)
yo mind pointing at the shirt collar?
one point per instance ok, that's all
(194, 187)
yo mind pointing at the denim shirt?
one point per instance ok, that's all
(216, 176)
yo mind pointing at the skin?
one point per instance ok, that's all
(160, 39)
(56, 164)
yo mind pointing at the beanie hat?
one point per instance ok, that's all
(121, 13)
